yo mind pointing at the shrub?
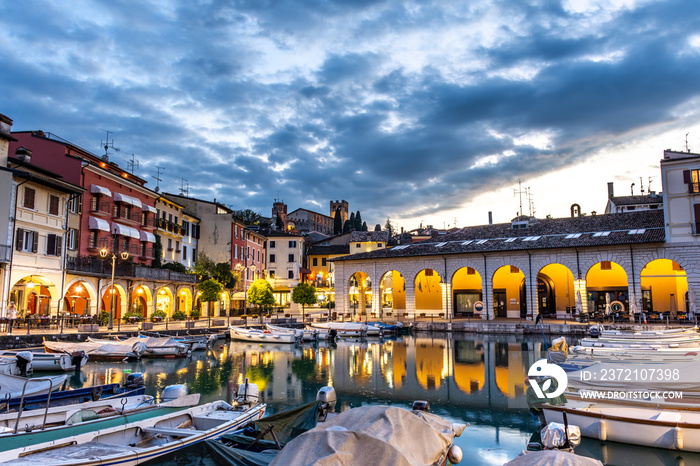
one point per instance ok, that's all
(126, 317)
(174, 266)
(103, 318)
(159, 313)
(179, 315)
(195, 313)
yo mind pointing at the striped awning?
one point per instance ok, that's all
(148, 208)
(119, 197)
(100, 190)
(146, 236)
(98, 224)
(123, 230)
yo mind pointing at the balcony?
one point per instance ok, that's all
(149, 222)
(129, 217)
(98, 266)
(171, 227)
(146, 253)
(100, 207)
(99, 242)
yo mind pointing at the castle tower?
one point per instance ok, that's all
(279, 209)
(344, 209)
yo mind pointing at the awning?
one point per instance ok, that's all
(280, 289)
(304, 270)
(119, 197)
(148, 208)
(146, 236)
(98, 224)
(239, 296)
(119, 229)
(100, 190)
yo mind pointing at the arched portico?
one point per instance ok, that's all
(35, 295)
(80, 298)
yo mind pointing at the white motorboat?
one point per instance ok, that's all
(348, 329)
(689, 341)
(51, 361)
(262, 336)
(146, 439)
(305, 334)
(321, 334)
(12, 386)
(98, 350)
(155, 347)
(636, 425)
(650, 334)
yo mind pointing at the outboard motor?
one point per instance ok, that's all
(328, 399)
(76, 359)
(248, 394)
(24, 362)
(421, 405)
(173, 392)
(333, 335)
(133, 381)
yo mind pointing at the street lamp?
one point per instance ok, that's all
(124, 255)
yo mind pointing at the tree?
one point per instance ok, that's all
(204, 268)
(388, 226)
(279, 224)
(260, 295)
(337, 222)
(347, 227)
(305, 295)
(377, 227)
(364, 226)
(210, 291)
(352, 221)
(157, 252)
(358, 221)
(249, 217)
(224, 275)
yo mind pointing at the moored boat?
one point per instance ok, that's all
(12, 386)
(154, 347)
(262, 336)
(145, 439)
(98, 350)
(346, 329)
(51, 361)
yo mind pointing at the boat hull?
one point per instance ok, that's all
(259, 336)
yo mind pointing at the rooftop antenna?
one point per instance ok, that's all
(107, 145)
(519, 192)
(687, 149)
(157, 177)
(184, 187)
(649, 183)
(455, 220)
(641, 185)
(131, 164)
(530, 202)
(632, 189)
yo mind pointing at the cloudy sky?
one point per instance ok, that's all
(418, 111)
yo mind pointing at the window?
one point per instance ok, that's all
(272, 244)
(235, 251)
(170, 218)
(357, 245)
(272, 258)
(258, 255)
(70, 239)
(692, 179)
(292, 244)
(73, 203)
(235, 229)
(93, 238)
(315, 261)
(323, 261)
(29, 195)
(53, 204)
(170, 244)
(290, 273)
(272, 274)
(606, 265)
(379, 245)
(290, 258)
(53, 245)
(27, 240)
(184, 253)
(194, 255)
(177, 246)
(176, 220)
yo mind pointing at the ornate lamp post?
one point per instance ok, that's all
(124, 255)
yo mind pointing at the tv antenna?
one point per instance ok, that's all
(641, 185)
(157, 177)
(131, 164)
(687, 149)
(107, 145)
(530, 202)
(520, 192)
(184, 187)
(649, 184)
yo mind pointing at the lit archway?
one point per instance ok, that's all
(509, 369)
(165, 301)
(119, 299)
(393, 292)
(469, 367)
(467, 290)
(428, 291)
(184, 297)
(664, 286)
(431, 363)
(78, 298)
(509, 292)
(606, 283)
(141, 300)
(34, 295)
(556, 296)
(360, 286)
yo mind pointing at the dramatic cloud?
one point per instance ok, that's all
(405, 109)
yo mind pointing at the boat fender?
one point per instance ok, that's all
(454, 454)
(602, 431)
(678, 434)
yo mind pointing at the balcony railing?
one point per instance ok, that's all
(147, 252)
(172, 227)
(123, 214)
(148, 222)
(99, 266)
(100, 206)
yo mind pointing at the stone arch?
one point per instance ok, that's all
(165, 300)
(80, 297)
(606, 281)
(120, 299)
(664, 287)
(141, 300)
(184, 300)
(35, 294)
(428, 290)
(467, 289)
(509, 292)
(360, 291)
(392, 291)
(556, 296)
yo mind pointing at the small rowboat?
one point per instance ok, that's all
(262, 336)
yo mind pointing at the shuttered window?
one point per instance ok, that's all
(54, 245)
(54, 202)
(29, 196)
(26, 240)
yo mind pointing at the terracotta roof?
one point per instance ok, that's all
(591, 231)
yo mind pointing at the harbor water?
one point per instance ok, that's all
(467, 378)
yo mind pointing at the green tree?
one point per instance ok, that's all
(260, 295)
(211, 291)
(224, 275)
(352, 221)
(204, 268)
(347, 227)
(157, 253)
(279, 224)
(337, 222)
(364, 226)
(358, 221)
(388, 226)
(305, 295)
(377, 227)
(249, 217)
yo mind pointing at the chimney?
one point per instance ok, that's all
(23, 154)
(610, 189)
(490, 218)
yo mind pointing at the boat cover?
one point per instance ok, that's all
(96, 349)
(287, 426)
(373, 435)
(552, 458)
(11, 385)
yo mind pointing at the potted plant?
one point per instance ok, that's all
(158, 316)
(194, 314)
